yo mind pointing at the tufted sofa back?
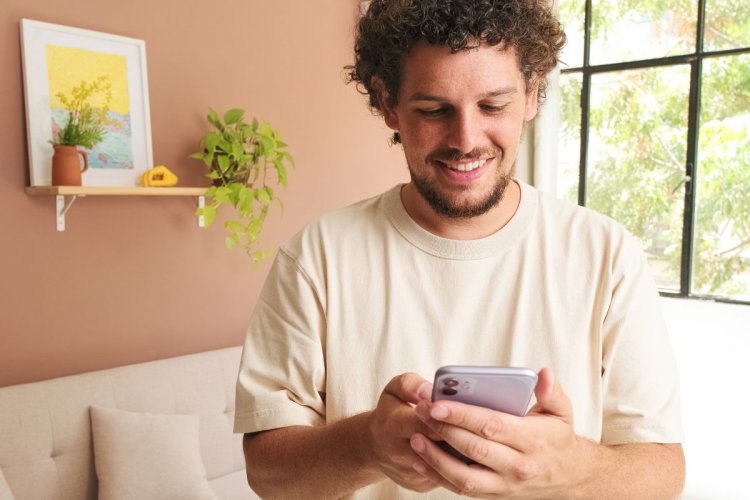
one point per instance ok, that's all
(46, 450)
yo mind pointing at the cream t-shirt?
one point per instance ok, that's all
(364, 294)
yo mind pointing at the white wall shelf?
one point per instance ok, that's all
(65, 196)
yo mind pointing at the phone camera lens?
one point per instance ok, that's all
(450, 382)
(449, 391)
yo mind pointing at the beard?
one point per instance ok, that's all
(451, 206)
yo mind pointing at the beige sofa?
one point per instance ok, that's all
(129, 432)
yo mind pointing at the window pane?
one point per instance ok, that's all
(630, 30)
(637, 149)
(722, 236)
(572, 15)
(569, 143)
(727, 24)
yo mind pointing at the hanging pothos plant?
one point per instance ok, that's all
(245, 162)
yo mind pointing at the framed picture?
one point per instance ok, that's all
(64, 66)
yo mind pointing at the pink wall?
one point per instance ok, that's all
(132, 278)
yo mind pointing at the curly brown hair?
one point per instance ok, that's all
(390, 28)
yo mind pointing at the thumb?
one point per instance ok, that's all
(550, 398)
(409, 388)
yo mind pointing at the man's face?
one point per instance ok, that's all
(460, 117)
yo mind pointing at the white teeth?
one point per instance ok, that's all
(468, 167)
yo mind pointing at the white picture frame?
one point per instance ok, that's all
(45, 47)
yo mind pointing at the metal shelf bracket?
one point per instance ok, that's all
(201, 204)
(61, 208)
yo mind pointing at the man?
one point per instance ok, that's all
(462, 265)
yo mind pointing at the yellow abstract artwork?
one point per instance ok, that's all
(68, 67)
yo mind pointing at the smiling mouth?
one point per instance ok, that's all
(464, 166)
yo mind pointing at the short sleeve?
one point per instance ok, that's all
(640, 378)
(281, 381)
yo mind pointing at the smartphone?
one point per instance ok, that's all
(505, 389)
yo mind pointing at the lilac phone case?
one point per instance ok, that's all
(506, 389)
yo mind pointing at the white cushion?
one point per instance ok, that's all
(146, 455)
(5, 493)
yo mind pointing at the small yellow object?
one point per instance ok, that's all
(159, 176)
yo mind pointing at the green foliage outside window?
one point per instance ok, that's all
(638, 142)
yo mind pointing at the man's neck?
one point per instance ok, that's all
(466, 228)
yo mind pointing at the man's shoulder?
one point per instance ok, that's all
(365, 211)
(361, 217)
(567, 212)
(584, 224)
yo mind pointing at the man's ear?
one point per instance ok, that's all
(389, 112)
(532, 99)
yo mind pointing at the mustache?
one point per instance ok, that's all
(451, 154)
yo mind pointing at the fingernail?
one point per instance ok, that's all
(417, 444)
(425, 391)
(419, 467)
(439, 412)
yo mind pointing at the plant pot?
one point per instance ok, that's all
(66, 166)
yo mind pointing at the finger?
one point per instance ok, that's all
(444, 417)
(395, 413)
(424, 468)
(474, 479)
(451, 473)
(431, 475)
(470, 448)
(551, 399)
(412, 479)
(409, 387)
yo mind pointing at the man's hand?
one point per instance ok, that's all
(391, 425)
(517, 457)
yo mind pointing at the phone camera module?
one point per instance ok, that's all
(449, 391)
(450, 382)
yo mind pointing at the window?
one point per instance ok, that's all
(655, 132)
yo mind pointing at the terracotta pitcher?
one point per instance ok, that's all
(66, 166)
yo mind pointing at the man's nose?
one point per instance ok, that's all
(464, 132)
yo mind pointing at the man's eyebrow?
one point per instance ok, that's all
(501, 91)
(420, 96)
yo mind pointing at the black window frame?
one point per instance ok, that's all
(695, 61)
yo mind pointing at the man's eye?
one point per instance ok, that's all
(432, 112)
(489, 108)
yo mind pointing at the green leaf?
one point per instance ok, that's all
(245, 201)
(281, 171)
(251, 232)
(264, 196)
(209, 214)
(222, 194)
(266, 144)
(211, 140)
(234, 115)
(223, 162)
(213, 119)
(224, 145)
(288, 158)
(232, 241)
(234, 227)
